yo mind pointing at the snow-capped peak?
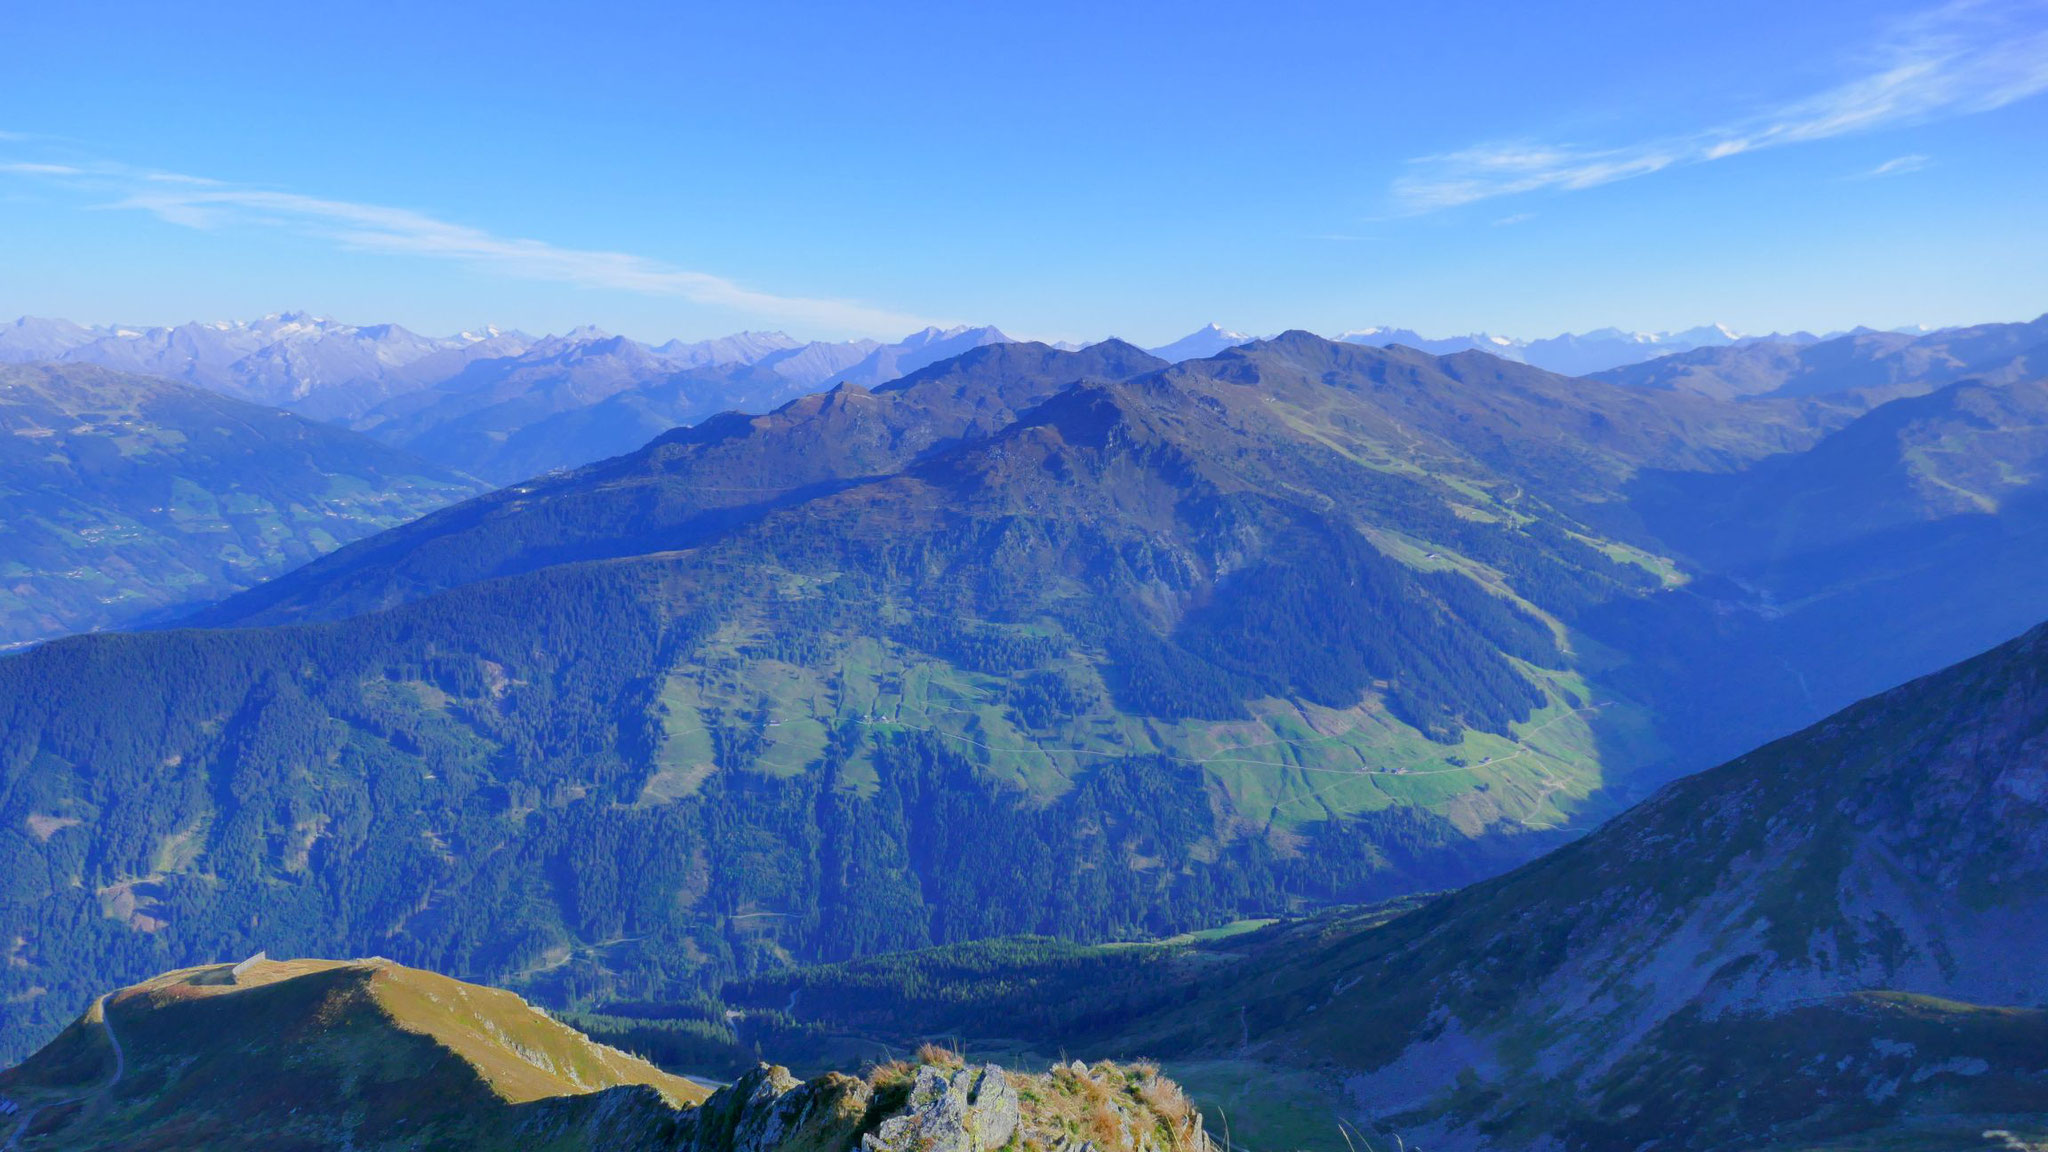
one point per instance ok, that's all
(1572, 353)
(1203, 342)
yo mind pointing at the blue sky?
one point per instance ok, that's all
(1062, 170)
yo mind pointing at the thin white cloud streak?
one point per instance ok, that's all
(1898, 166)
(1964, 57)
(29, 169)
(198, 202)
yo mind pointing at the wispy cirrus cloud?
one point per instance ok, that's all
(1963, 57)
(1898, 166)
(214, 205)
(24, 168)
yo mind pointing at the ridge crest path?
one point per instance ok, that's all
(29, 1115)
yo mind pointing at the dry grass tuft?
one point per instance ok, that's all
(890, 1072)
(1107, 1126)
(1177, 1115)
(939, 1056)
(1117, 1108)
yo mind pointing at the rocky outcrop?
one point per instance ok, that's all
(941, 1104)
(769, 1110)
(971, 1110)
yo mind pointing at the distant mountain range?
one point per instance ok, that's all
(449, 395)
(1569, 354)
(318, 367)
(500, 405)
(330, 370)
(569, 400)
(505, 406)
(1875, 366)
(1714, 360)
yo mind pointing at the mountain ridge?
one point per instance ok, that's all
(972, 395)
(1876, 366)
(134, 498)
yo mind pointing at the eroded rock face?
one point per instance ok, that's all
(769, 1110)
(947, 1106)
(972, 1110)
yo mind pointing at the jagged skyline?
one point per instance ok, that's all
(44, 337)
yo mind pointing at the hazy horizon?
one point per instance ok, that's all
(657, 338)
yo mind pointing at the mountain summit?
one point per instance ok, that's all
(1200, 344)
(319, 1054)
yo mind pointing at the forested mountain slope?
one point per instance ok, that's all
(1836, 936)
(128, 496)
(1899, 846)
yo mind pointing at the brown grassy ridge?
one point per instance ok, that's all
(317, 1053)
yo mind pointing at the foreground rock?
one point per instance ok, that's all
(943, 1105)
